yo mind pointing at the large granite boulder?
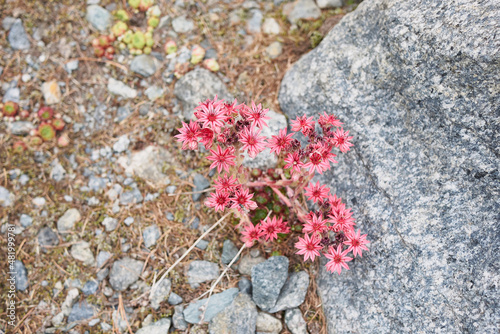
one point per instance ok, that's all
(416, 82)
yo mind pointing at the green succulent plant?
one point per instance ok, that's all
(138, 40)
(46, 131)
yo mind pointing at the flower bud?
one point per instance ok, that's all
(197, 54)
(170, 47)
(211, 64)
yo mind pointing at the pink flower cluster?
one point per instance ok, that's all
(228, 130)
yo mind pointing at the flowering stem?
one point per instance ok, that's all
(155, 284)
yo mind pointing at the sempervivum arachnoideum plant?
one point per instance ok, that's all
(58, 124)
(19, 147)
(10, 109)
(45, 114)
(46, 131)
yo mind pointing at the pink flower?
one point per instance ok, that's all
(308, 246)
(252, 141)
(341, 140)
(257, 115)
(206, 137)
(330, 120)
(226, 184)
(202, 105)
(342, 219)
(338, 259)
(280, 142)
(334, 202)
(293, 162)
(271, 228)
(303, 124)
(242, 199)
(211, 115)
(356, 243)
(316, 192)
(251, 233)
(314, 224)
(189, 135)
(231, 109)
(222, 159)
(218, 200)
(316, 163)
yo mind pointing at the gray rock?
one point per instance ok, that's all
(110, 223)
(124, 273)
(81, 252)
(133, 196)
(6, 197)
(21, 276)
(274, 50)
(238, 318)
(12, 94)
(422, 105)
(301, 10)
(98, 17)
(229, 251)
(96, 183)
(38, 202)
(329, 3)
(266, 323)
(81, 311)
(58, 173)
(71, 66)
(293, 292)
(217, 303)
(200, 183)
(295, 321)
(202, 271)
(47, 237)
(267, 280)
(178, 318)
(145, 65)
(18, 39)
(202, 244)
(174, 299)
(23, 179)
(102, 257)
(247, 262)
(160, 327)
(148, 164)
(154, 93)
(150, 235)
(271, 26)
(245, 285)
(119, 88)
(182, 25)
(90, 288)
(265, 159)
(121, 144)
(68, 220)
(123, 113)
(129, 221)
(197, 86)
(161, 293)
(21, 128)
(255, 21)
(7, 22)
(25, 220)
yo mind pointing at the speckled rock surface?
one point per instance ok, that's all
(240, 317)
(416, 82)
(197, 86)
